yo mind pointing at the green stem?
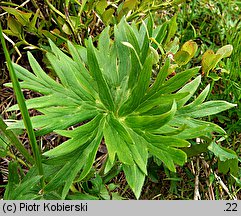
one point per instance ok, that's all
(18, 159)
(15, 141)
(24, 110)
(55, 10)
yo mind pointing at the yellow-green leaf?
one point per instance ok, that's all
(190, 47)
(14, 26)
(182, 57)
(225, 51)
(209, 61)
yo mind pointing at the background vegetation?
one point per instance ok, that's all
(212, 174)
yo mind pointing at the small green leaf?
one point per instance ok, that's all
(32, 25)
(130, 4)
(221, 153)
(214, 76)
(228, 165)
(21, 16)
(187, 51)
(15, 26)
(107, 15)
(160, 33)
(101, 6)
(172, 28)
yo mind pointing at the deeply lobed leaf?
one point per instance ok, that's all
(110, 93)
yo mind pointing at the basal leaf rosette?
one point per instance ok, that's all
(110, 89)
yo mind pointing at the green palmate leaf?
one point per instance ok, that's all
(162, 99)
(83, 159)
(68, 80)
(191, 133)
(169, 156)
(50, 121)
(199, 100)
(165, 148)
(107, 94)
(132, 38)
(139, 151)
(79, 137)
(135, 71)
(88, 157)
(193, 123)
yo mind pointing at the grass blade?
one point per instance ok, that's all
(15, 141)
(23, 109)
